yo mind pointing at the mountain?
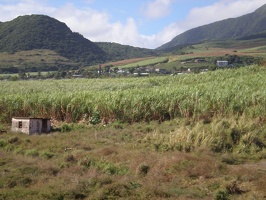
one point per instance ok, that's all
(233, 28)
(117, 51)
(40, 32)
(43, 32)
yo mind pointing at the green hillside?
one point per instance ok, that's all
(42, 32)
(232, 28)
(38, 36)
(117, 51)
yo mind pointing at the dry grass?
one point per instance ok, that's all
(120, 163)
(31, 56)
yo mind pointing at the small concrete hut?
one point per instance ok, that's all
(30, 125)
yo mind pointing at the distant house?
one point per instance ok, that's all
(163, 71)
(122, 71)
(30, 125)
(200, 60)
(141, 74)
(222, 63)
(77, 76)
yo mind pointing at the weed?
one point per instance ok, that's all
(228, 159)
(95, 118)
(13, 140)
(47, 154)
(32, 152)
(221, 195)
(116, 191)
(66, 127)
(142, 169)
(3, 143)
(118, 125)
(53, 196)
(233, 188)
(69, 158)
(85, 162)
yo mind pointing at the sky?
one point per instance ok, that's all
(139, 23)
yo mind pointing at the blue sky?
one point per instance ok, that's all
(140, 23)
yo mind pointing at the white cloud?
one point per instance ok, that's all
(24, 7)
(223, 9)
(86, 21)
(157, 9)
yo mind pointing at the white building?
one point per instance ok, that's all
(222, 63)
(31, 126)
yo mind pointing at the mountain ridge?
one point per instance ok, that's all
(231, 28)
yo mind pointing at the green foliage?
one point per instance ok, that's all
(221, 195)
(3, 143)
(66, 127)
(47, 154)
(106, 167)
(32, 152)
(95, 118)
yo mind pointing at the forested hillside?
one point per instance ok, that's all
(232, 28)
(43, 32)
(117, 51)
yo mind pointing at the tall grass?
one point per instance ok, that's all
(202, 96)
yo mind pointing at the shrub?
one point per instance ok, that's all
(233, 188)
(142, 169)
(95, 118)
(66, 127)
(69, 158)
(13, 140)
(3, 143)
(228, 159)
(221, 195)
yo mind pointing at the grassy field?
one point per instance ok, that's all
(195, 136)
(222, 92)
(138, 161)
(144, 63)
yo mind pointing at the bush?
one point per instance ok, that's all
(13, 140)
(221, 195)
(228, 159)
(69, 158)
(66, 127)
(3, 143)
(95, 118)
(142, 169)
